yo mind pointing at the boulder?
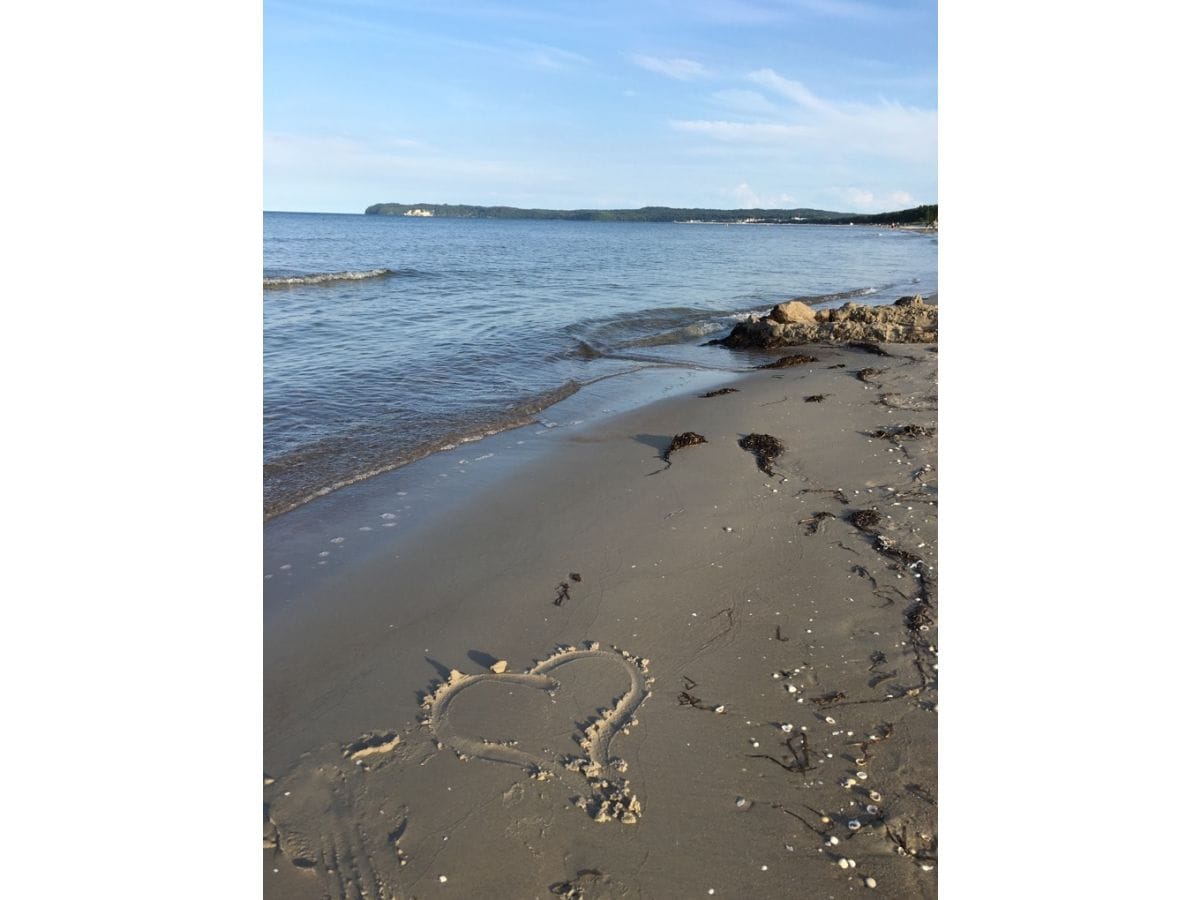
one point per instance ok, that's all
(793, 312)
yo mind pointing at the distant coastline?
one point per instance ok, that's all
(922, 216)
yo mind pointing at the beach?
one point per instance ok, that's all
(598, 672)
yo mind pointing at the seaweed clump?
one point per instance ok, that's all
(784, 362)
(687, 439)
(718, 393)
(896, 432)
(815, 398)
(766, 450)
(865, 519)
(869, 347)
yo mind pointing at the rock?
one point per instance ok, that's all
(500, 666)
(909, 320)
(794, 311)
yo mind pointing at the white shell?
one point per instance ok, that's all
(870, 882)
(843, 863)
(786, 727)
(830, 720)
(854, 824)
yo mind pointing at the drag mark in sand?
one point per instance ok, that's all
(314, 819)
(608, 796)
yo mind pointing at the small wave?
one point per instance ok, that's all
(326, 466)
(818, 299)
(324, 278)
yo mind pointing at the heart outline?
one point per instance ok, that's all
(609, 796)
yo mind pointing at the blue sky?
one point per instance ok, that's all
(713, 103)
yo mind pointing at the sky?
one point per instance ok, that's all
(829, 104)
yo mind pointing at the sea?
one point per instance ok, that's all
(387, 339)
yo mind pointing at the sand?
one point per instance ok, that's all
(715, 681)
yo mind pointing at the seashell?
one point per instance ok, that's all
(853, 864)
(869, 882)
(500, 666)
(854, 824)
(830, 720)
(876, 796)
(786, 727)
(719, 709)
(872, 809)
(861, 774)
(443, 879)
(849, 782)
(791, 688)
(843, 863)
(832, 842)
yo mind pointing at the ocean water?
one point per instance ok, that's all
(389, 338)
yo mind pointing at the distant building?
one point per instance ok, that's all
(419, 212)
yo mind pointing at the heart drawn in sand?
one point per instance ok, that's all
(608, 796)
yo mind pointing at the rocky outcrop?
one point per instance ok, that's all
(910, 320)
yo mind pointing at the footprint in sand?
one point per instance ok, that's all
(607, 795)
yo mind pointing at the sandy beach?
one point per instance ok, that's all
(603, 673)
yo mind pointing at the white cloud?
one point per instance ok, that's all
(883, 129)
(859, 199)
(324, 156)
(747, 198)
(679, 69)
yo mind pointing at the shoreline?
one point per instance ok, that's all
(717, 574)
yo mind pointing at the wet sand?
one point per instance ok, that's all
(604, 676)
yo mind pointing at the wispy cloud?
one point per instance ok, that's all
(883, 129)
(544, 56)
(748, 102)
(679, 69)
(769, 12)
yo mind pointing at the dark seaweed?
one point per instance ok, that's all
(718, 393)
(766, 450)
(895, 432)
(785, 362)
(687, 439)
(869, 347)
(815, 398)
(864, 519)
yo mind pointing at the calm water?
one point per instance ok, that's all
(388, 338)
